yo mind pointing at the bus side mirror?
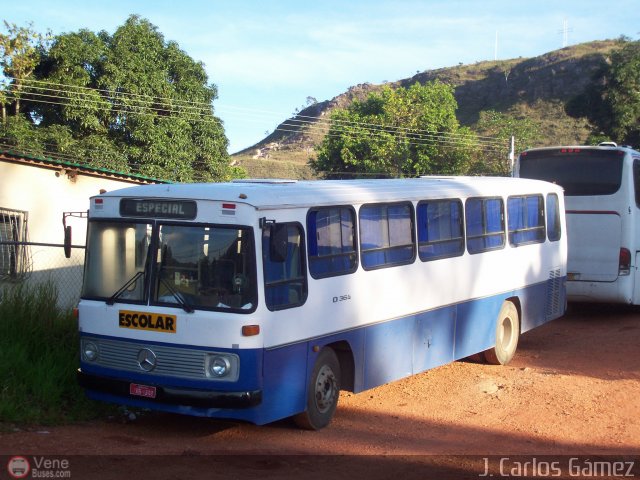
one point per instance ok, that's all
(278, 242)
(67, 241)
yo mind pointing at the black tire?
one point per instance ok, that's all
(507, 334)
(323, 392)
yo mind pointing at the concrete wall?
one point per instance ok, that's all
(45, 193)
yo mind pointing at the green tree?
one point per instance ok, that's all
(397, 132)
(623, 93)
(500, 127)
(20, 50)
(130, 101)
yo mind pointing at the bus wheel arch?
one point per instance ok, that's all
(507, 333)
(323, 391)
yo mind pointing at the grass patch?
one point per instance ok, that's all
(39, 356)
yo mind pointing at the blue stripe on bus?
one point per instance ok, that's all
(382, 353)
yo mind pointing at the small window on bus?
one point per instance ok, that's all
(526, 219)
(386, 235)
(636, 180)
(440, 229)
(554, 229)
(285, 278)
(485, 224)
(331, 241)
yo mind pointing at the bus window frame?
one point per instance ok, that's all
(355, 243)
(463, 236)
(542, 226)
(155, 247)
(485, 235)
(265, 251)
(556, 217)
(412, 228)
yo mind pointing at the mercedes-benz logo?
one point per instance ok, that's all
(147, 360)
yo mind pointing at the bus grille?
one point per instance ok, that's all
(554, 286)
(170, 361)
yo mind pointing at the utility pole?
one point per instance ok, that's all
(512, 154)
(565, 32)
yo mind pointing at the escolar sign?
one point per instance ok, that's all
(147, 321)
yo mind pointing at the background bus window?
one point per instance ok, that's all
(554, 230)
(485, 224)
(331, 242)
(526, 219)
(580, 172)
(636, 181)
(440, 229)
(386, 235)
(285, 279)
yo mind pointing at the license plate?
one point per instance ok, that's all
(142, 390)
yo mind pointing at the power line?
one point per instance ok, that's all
(65, 95)
(146, 103)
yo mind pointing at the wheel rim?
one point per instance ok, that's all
(506, 334)
(326, 389)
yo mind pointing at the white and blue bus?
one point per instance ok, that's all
(602, 194)
(261, 300)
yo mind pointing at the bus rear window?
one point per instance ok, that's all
(582, 173)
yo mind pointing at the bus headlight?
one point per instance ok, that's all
(222, 366)
(89, 351)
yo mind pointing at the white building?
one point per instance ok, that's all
(38, 197)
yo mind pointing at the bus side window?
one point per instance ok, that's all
(554, 231)
(485, 224)
(386, 235)
(285, 275)
(440, 229)
(525, 219)
(331, 241)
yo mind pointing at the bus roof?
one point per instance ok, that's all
(578, 148)
(267, 194)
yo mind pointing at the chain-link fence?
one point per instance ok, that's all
(34, 262)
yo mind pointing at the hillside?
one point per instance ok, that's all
(537, 88)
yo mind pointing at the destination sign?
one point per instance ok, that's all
(157, 208)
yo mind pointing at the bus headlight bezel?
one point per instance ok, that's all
(222, 366)
(90, 351)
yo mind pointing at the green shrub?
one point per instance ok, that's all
(38, 359)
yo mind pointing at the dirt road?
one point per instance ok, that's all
(573, 389)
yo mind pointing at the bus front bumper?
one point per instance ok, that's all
(171, 395)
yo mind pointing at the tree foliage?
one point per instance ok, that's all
(500, 127)
(20, 50)
(130, 101)
(397, 132)
(612, 101)
(623, 93)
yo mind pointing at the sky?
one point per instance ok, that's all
(268, 57)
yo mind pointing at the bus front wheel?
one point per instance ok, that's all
(323, 392)
(507, 334)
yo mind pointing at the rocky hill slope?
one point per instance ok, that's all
(537, 88)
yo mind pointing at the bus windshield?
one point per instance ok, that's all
(194, 267)
(580, 173)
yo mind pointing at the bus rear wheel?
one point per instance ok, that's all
(507, 334)
(323, 392)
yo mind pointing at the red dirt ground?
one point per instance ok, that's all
(573, 389)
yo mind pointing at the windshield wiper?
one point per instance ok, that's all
(120, 291)
(179, 298)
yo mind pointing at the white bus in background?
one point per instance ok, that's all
(261, 300)
(602, 194)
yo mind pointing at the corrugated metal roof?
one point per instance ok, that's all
(18, 156)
